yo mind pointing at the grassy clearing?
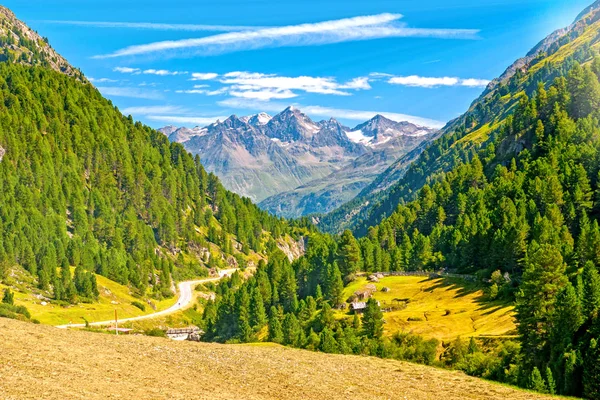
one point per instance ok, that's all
(68, 364)
(113, 296)
(439, 308)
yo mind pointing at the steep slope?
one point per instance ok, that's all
(83, 186)
(297, 166)
(461, 138)
(22, 45)
(143, 368)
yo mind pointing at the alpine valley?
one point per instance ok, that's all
(463, 256)
(294, 166)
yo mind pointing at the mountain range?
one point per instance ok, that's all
(294, 166)
(460, 139)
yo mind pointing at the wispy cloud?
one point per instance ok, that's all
(155, 26)
(102, 80)
(198, 90)
(147, 110)
(127, 70)
(203, 76)
(183, 120)
(260, 86)
(310, 34)
(163, 72)
(431, 82)
(326, 112)
(136, 93)
(152, 71)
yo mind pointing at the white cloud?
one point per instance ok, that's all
(163, 72)
(475, 82)
(155, 26)
(136, 93)
(256, 85)
(263, 94)
(126, 70)
(431, 82)
(146, 110)
(309, 34)
(203, 91)
(152, 71)
(360, 83)
(102, 80)
(182, 120)
(203, 76)
(319, 111)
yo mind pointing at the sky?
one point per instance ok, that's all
(190, 62)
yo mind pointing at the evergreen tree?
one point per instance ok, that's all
(372, 320)
(275, 329)
(543, 278)
(349, 254)
(327, 342)
(591, 289)
(8, 297)
(258, 316)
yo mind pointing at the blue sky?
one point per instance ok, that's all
(190, 62)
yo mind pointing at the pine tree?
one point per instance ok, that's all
(372, 320)
(258, 316)
(591, 289)
(275, 330)
(292, 332)
(550, 379)
(335, 287)
(327, 342)
(537, 382)
(591, 370)
(8, 297)
(543, 279)
(349, 254)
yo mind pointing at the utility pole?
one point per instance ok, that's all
(116, 323)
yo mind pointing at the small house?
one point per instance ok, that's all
(358, 306)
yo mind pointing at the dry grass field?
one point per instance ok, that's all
(43, 362)
(439, 308)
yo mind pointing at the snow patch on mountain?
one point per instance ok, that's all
(358, 137)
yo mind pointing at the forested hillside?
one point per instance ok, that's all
(523, 214)
(461, 139)
(83, 186)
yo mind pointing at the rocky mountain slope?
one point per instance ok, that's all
(461, 138)
(294, 165)
(22, 45)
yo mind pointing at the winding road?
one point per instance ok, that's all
(186, 290)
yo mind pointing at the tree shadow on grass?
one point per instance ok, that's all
(465, 288)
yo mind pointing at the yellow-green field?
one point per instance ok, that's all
(113, 296)
(447, 308)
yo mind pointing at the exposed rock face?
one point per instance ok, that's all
(298, 166)
(25, 46)
(2, 152)
(293, 250)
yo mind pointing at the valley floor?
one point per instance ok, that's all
(39, 361)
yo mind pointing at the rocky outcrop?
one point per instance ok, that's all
(292, 249)
(2, 152)
(25, 46)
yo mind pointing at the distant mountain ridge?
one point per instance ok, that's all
(286, 160)
(464, 136)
